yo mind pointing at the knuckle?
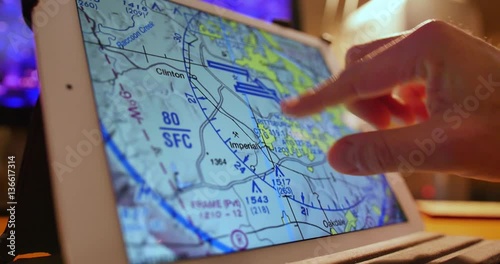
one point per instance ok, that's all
(376, 154)
(385, 154)
(431, 40)
(432, 29)
(356, 87)
(434, 25)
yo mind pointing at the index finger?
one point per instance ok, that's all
(375, 76)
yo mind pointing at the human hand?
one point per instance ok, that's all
(436, 75)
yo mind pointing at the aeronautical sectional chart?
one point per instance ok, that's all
(203, 162)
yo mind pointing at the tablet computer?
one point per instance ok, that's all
(166, 140)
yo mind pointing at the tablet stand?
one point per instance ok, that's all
(35, 225)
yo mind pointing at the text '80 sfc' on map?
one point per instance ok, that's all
(202, 160)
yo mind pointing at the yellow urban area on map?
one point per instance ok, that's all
(259, 62)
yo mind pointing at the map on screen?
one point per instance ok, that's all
(202, 160)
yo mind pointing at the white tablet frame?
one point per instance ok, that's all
(88, 225)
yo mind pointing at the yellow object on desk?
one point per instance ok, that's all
(480, 219)
(483, 228)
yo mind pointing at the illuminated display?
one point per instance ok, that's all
(202, 160)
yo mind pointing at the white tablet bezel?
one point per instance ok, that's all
(89, 230)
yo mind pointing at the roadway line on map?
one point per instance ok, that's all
(137, 177)
(295, 218)
(194, 87)
(140, 52)
(163, 204)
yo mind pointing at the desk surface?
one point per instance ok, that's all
(484, 228)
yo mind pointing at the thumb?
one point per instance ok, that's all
(422, 147)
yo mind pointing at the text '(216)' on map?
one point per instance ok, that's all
(202, 160)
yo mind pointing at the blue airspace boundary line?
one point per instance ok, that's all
(163, 204)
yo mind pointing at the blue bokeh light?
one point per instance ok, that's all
(267, 10)
(18, 76)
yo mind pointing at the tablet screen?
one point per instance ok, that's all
(201, 158)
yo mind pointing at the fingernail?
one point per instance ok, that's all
(288, 104)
